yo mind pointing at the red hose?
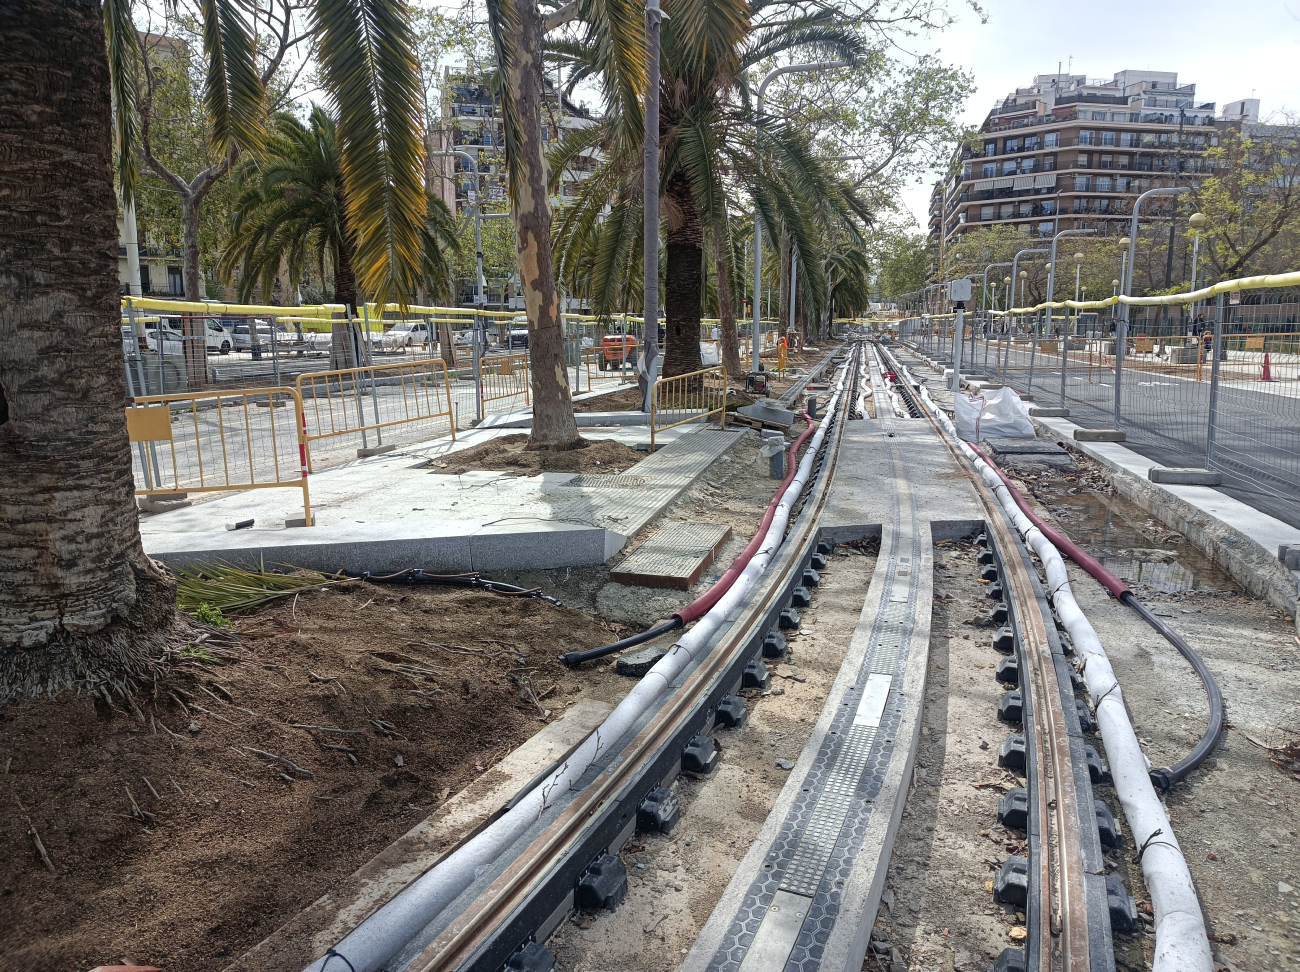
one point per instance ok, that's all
(701, 605)
(1059, 539)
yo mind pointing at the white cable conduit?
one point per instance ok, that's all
(1181, 943)
(377, 939)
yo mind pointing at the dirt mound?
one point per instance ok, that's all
(508, 454)
(627, 400)
(424, 683)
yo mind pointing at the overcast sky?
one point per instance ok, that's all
(1228, 50)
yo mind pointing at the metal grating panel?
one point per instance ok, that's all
(620, 481)
(674, 556)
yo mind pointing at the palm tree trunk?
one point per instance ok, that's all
(684, 280)
(727, 314)
(342, 345)
(784, 324)
(80, 603)
(521, 36)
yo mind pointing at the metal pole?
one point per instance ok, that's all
(275, 352)
(356, 385)
(957, 342)
(650, 201)
(1126, 289)
(370, 360)
(794, 284)
(756, 332)
(1214, 382)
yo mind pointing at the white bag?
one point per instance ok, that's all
(995, 414)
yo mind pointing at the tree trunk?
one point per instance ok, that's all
(727, 314)
(784, 324)
(553, 423)
(343, 352)
(684, 280)
(80, 603)
(445, 343)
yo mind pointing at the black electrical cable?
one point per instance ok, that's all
(574, 658)
(1166, 778)
(414, 575)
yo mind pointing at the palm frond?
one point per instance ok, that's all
(123, 61)
(233, 97)
(367, 57)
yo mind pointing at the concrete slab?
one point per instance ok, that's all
(1236, 537)
(1042, 412)
(673, 556)
(393, 512)
(1100, 435)
(1183, 476)
(308, 934)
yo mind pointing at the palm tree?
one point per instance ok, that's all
(291, 212)
(80, 603)
(713, 147)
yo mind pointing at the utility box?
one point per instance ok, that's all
(959, 289)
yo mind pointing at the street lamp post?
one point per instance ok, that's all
(1121, 326)
(756, 332)
(650, 205)
(1197, 223)
(479, 299)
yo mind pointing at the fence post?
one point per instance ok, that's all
(1121, 339)
(370, 360)
(1065, 344)
(1033, 353)
(275, 348)
(1214, 381)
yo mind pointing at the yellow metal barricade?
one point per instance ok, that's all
(411, 395)
(693, 397)
(505, 376)
(209, 442)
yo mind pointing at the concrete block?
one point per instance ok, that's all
(163, 502)
(1040, 412)
(1099, 435)
(298, 521)
(376, 451)
(766, 410)
(1171, 476)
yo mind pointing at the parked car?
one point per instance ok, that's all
(243, 338)
(406, 334)
(217, 338)
(516, 339)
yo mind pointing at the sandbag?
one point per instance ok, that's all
(993, 414)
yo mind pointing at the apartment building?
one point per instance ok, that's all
(1071, 152)
(471, 122)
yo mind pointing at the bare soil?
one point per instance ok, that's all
(938, 910)
(627, 400)
(508, 453)
(233, 840)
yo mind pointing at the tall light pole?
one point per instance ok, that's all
(1121, 326)
(1197, 223)
(1051, 270)
(479, 282)
(756, 332)
(650, 202)
(1015, 266)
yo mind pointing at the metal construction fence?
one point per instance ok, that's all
(1225, 397)
(218, 442)
(408, 400)
(696, 396)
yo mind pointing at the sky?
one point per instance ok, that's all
(1244, 49)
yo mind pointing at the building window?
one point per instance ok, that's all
(989, 170)
(986, 213)
(1009, 167)
(966, 170)
(1087, 138)
(1049, 163)
(1081, 183)
(1052, 140)
(1026, 209)
(1032, 143)
(1128, 139)
(1121, 161)
(1103, 183)
(1098, 116)
(1164, 136)
(1006, 210)
(1028, 165)
(144, 279)
(1108, 138)
(1044, 229)
(1148, 139)
(1011, 145)
(1101, 205)
(1081, 205)
(1083, 161)
(1048, 208)
(990, 148)
(175, 282)
(1123, 183)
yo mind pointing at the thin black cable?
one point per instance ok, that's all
(574, 658)
(1166, 778)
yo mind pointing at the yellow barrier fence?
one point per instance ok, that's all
(693, 397)
(412, 396)
(505, 376)
(210, 442)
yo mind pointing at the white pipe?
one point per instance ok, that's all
(1181, 943)
(377, 939)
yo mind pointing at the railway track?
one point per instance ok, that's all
(806, 894)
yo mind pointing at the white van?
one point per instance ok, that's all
(217, 338)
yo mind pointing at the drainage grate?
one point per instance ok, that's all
(586, 481)
(674, 556)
